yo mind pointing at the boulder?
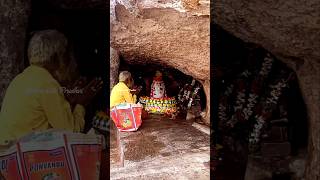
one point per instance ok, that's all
(167, 33)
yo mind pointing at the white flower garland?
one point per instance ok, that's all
(188, 95)
(266, 66)
(238, 106)
(195, 92)
(247, 111)
(275, 94)
(185, 93)
(252, 100)
(222, 108)
(240, 100)
(255, 135)
(222, 113)
(179, 95)
(245, 74)
(229, 90)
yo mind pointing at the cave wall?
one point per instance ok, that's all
(13, 23)
(114, 67)
(291, 31)
(166, 37)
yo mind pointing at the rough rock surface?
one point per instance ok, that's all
(13, 23)
(164, 36)
(165, 33)
(114, 67)
(206, 87)
(291, 31)
(196, 7)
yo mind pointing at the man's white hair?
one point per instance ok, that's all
(46, 46)
(124, 75)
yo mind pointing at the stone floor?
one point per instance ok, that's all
(162, 149)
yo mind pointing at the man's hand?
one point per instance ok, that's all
(136, 90)
(89, 91)
(79, 84)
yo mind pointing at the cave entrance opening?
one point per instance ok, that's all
(262, 117)
(161, 136)
(177, 85)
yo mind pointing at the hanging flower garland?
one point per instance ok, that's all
(222, 111)
(180, 95)
(266, 66)
(270, 103)
(183, 94)
(247, 106)
(255, 134)
(240, 101)
(247, 111)
(240, 98)
(256, 88)
(188, 94)
(194, 94)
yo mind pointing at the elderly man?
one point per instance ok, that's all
(121, 92)
(34, 99)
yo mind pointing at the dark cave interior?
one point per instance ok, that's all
(173, 78)
(85, 32)
(289, 116)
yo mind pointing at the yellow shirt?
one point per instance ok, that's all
(34, 101)
(120, 93)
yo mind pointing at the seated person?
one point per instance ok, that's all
(158, 89)
(121, 93)
(34, 99)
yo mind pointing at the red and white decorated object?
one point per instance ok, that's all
(158, 89)
(127, 117)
